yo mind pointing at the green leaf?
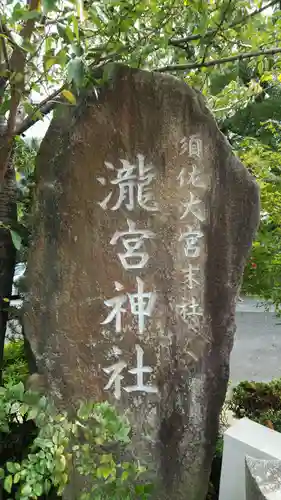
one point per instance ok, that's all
(8, 483)
(10, 467)
(17, 391)
(15, 407)
(62, 57)
(4, 427)
(32, 414)
(2, 391)
(49, 62)
(17, 477)
(26, 490)
(104, 472)
(31, 14)
(80, 8)
(23, 409)
(142, 489)
(75, 71)
(18, 77)
(106, 458)
(49, 5)
(124, 476)
(61, 463)
(16, 238)
(77, 50)
(75, 27)
(18, 12)
(260, 67)
(48, 44)
(69, 96)
(69, 34)
(2, 473)
(38, 489)
(47, 486)
(28, 108)
(5, 106)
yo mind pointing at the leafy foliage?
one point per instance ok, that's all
(258, 401)
(24, 156)
(247, 119)
(262, 275)
(90, 443)
(15, 368)
(62, 43)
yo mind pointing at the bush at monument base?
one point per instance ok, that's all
(18, 441)
(30, 425)
(38, 453)
(28, 417)
(258, 401)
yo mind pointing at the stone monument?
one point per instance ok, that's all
(143, 219)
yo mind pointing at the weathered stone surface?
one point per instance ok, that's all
(263, 479)
(145, 157)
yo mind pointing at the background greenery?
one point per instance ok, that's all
(15, 367)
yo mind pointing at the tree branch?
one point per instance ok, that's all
(49, 103)
(9, 36)
(190, 38)
(17, 64)
(216, 31)
(4, 62)
(44, 107)
(4, 48)
(215, 62)
(17, 67)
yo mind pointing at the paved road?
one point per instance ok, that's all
(256, 353)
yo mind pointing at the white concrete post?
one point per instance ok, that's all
(244, 438)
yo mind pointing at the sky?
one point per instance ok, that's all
(39, 129)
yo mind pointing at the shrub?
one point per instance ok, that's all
(15, 368)
(258, 401)
(272, 419)
(91, 444)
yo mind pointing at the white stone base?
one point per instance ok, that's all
(245, 437)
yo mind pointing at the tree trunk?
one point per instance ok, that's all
(8, 216)
(30, 358)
